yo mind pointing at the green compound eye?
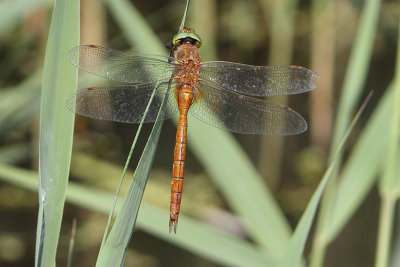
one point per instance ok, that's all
(186, 34)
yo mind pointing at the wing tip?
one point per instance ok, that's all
(302, 125)
(312, 73)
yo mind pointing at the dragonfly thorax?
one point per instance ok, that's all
(187, 52)
(187, 67)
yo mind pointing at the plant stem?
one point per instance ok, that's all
(385, 229)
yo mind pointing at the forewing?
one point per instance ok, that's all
(119, 66)
(123, 103)
(238, 113)
(259, 80)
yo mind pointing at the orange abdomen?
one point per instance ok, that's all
(185, 96)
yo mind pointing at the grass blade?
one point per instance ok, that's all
(295, 248)
(71, 243)
(56, 128)
(112, 253)
(296, 245)
(390, 184)
(357, 69)
(362, 166)
(385, 230)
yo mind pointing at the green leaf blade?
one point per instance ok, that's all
(361, 169)
(114, 249)
(56, 128)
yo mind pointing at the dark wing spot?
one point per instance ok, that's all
(286, 107)
(296, 67)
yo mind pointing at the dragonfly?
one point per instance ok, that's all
(226, 95)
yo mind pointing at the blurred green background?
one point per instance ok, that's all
(320, 35)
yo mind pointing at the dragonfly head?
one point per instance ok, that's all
(186, 35)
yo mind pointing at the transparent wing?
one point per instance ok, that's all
(119, 66)
(237, 113)
(259, 80)
(122, 103)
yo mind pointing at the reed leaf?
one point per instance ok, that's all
(113, 249)
(56, 128)
(362, 166)
(296, 245)
(357, 69)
